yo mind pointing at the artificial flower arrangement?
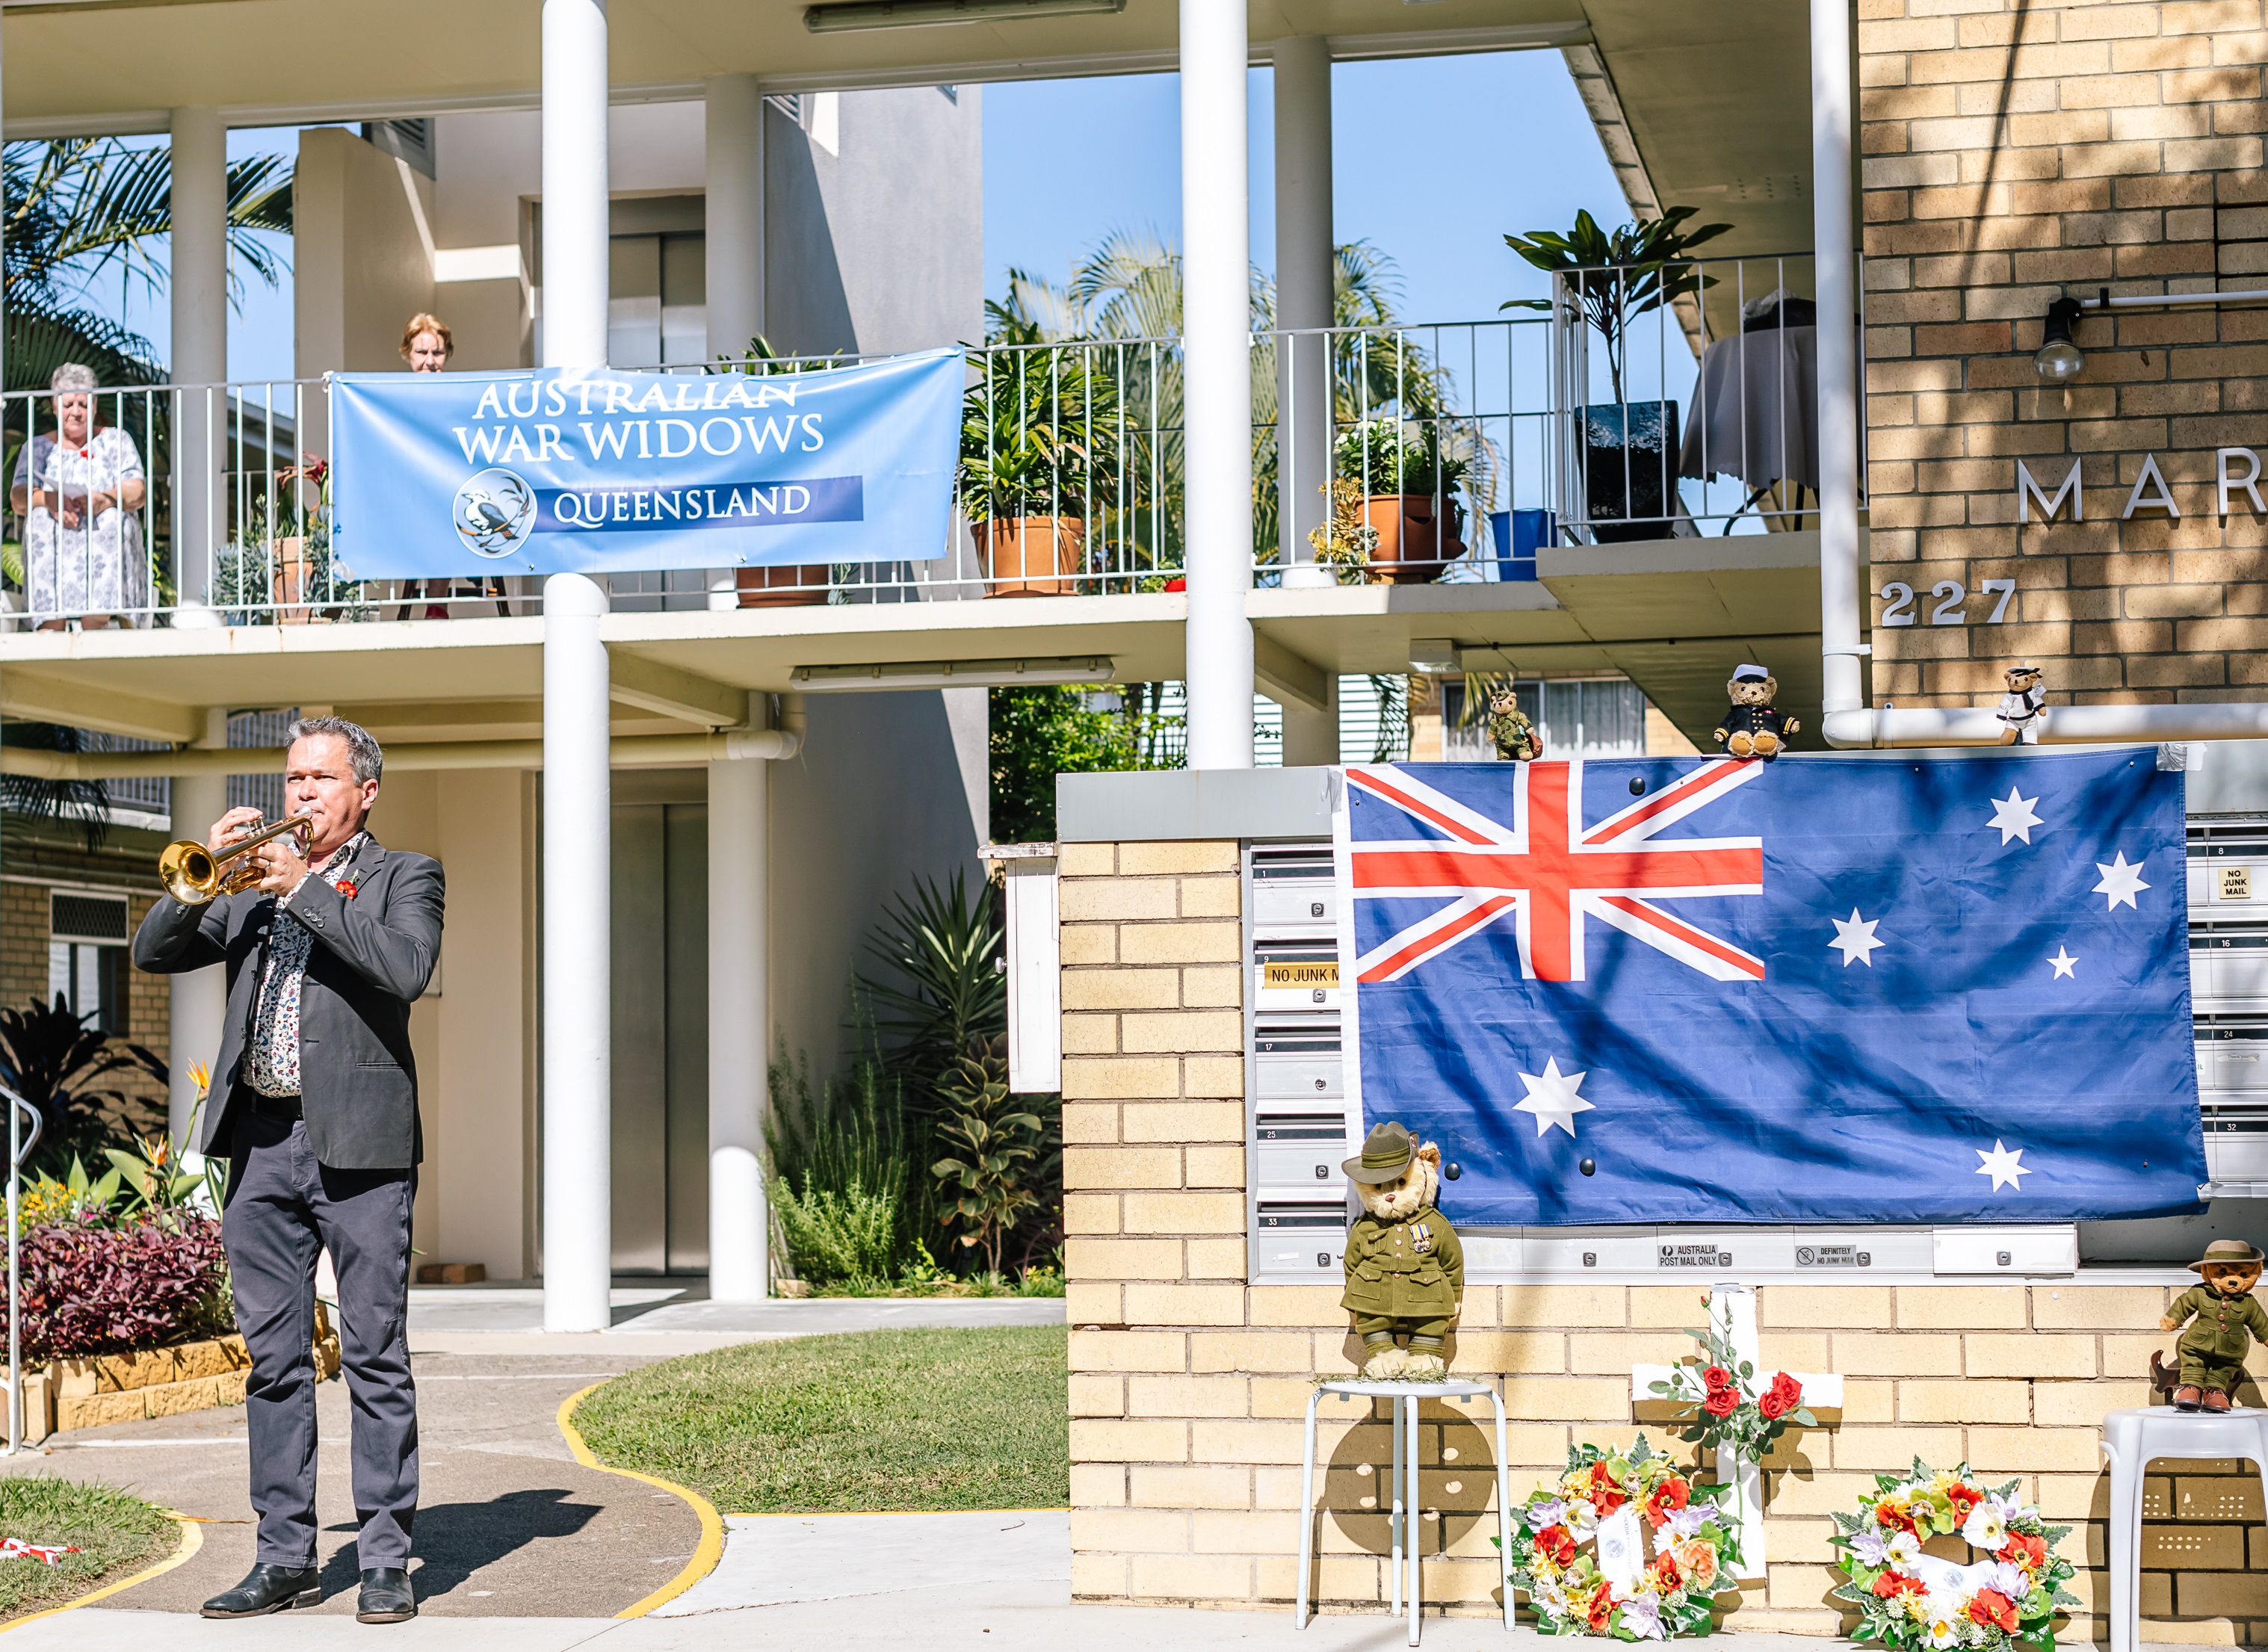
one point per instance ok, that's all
(1911, 1599)
(1723, 1393)
(1624, 1545)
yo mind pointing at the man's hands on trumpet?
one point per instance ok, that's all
(282, 867)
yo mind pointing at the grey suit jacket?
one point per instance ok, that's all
(373, 956)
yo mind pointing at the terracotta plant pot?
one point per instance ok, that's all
(1412, 547)
(792, 587)
(1033, 556)
(293, 575)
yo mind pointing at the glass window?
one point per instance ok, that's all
(90, 982)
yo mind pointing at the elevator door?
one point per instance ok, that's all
(660, 948)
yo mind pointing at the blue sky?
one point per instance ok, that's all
(1434, 160)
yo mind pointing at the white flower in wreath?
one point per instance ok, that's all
(1987, 1528)
(1903, 1548)
(2011, 1509)
(1687, 1522)
(1548, 1513)
(1582, 1517)
(1642, 1617)
(2011, 1581)
(1869, 1549)
(1549, 1598)
(1941, 1626)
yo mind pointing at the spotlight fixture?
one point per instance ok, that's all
(914, 14)
(2058, 360)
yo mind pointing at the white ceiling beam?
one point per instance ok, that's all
(27, 697)
(1287, 678)
(634, 680)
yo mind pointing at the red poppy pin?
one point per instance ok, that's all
(346, 888)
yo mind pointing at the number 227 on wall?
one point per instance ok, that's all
(1947, 609)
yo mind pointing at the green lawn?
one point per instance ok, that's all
(116, 1534)
(865, 1422)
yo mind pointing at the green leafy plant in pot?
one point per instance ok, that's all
(1630, 449)
(1409, 496)
(1039, 459)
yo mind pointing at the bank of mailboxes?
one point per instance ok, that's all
(2228, 994)
(1300, 1125)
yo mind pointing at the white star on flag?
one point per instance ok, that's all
(1552, 1098)
(2063, 960)
(2014, 816)
(2121, 882)
(2004, 1164)
(1856, 939)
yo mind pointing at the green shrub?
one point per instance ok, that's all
(839, 1236)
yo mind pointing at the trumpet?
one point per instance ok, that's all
(192, 874)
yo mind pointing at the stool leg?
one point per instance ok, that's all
(1503, 1508)
(1394, 1525)
(1413, 1517)
(1306, 1514)
(2125, 1543)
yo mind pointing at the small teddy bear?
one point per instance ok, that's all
(1517, 739)
(2227, 1319)
(1752, 726)
(1405, 1271)
(2023, 710)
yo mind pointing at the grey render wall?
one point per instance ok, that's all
(878, 247)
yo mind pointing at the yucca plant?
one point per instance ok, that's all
(944, 986)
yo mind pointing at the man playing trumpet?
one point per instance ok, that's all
(314, 1102)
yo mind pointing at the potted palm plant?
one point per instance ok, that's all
(1630, 449)
(1410, 501)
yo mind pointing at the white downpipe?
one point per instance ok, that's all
(2066, 725)
(196, 1003)
(1836, 264)
(575, 183)
(733, 144)
(199, 284)
(1305, 277)
(578, 877)
(740, 1027)
(1217, 345)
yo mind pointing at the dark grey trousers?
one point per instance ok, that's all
(283, 1208)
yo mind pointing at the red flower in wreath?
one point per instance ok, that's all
(1963, 1498)
(1557, 1545)
(1666, 1574)
(1896, 1518)
(347, 889)
(1599, 1609)
(1668, 1497)
(1606, 1496)
(2025, 1549)
(1991, 1606)
(1722, 1402)
(1889, 1585)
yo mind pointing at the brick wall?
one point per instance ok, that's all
(1187, 1386)
(2013, 149)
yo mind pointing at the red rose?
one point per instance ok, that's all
(1991, 1606)
(1557, 1545)
(1716, 1377)
(2025, 1549)
(1787, 1390)
(1722, 1402)
(1772, 1406)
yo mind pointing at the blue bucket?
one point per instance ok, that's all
(1519, 535)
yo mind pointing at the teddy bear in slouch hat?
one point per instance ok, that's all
(2224, 1319)
(1405, 1271)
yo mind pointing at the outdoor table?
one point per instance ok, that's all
(1402, 1519)
(2131, 1440)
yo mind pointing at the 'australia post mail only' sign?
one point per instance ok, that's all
(591, 471)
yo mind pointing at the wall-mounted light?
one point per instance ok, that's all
(909, 14)
(2059, 361)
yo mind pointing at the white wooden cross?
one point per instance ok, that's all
(1821, 1393)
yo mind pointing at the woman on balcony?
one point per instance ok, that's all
(79, 491)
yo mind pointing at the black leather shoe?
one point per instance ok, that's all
(267, 1588)
(386, 1596)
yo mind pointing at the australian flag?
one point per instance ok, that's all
(1827, 990)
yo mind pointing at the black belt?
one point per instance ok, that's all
(285, 1107)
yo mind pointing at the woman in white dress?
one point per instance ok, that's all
(79, 491)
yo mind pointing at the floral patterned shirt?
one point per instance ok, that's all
(272, 1065)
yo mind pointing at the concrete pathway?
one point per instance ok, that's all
(667, 1318)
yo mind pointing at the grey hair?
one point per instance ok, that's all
(362, 749)
(71, 377)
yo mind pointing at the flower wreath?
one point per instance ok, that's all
(1911, 1599)
(1580, 1547)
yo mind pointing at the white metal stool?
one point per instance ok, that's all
(1401, 1521)
(2131, 1440)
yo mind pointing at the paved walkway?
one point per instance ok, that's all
(665, 1318)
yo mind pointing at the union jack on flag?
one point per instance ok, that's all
(1834, 988)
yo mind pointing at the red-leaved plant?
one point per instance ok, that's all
(91, 1288)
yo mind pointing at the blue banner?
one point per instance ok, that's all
(1827, 990)
(569, 470)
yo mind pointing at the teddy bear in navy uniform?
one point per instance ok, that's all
(1753, 727)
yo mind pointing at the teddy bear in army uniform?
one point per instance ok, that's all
(1517, 738)
(1405, 1271)
(2223, 1318)
(1753, 726)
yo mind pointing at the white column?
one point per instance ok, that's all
(1305, 277)
(577, 1042)
(1217, 344)
(740, 1027)
(574, 183)
(734, 124)
(1832, 241)
(1311, 738)
(197, 1001)
(199, 281)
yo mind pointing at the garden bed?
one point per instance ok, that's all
(114, 1533)
(867, 1422)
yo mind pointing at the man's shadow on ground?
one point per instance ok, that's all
(454, 1540)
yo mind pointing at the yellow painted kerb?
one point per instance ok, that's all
(192, 1540)
(705, 1555)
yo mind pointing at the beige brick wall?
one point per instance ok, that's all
(1187, 1385)
(2014, 148)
